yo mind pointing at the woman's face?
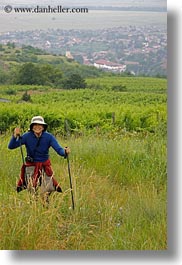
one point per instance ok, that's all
(38, 128)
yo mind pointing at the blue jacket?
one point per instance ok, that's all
(39, 151)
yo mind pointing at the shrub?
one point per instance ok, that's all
(119, 88)
(26, 97)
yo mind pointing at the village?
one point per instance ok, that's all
(140, 50)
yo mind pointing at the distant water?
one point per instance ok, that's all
(95, 19)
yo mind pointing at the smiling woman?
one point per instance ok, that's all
(37, 142)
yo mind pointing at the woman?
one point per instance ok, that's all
(37, 142)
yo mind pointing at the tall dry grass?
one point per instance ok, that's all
(119, 191)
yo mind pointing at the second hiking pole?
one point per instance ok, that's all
(71, 187)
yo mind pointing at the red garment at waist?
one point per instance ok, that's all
(39, 166)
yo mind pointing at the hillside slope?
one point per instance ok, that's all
(11, 57)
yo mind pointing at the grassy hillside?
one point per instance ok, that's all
(140, 107)
(116, 129)
(118, 168)
(12, 57)
(119, 193)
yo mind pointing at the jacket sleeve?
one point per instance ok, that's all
(15, 142)
(57, 147)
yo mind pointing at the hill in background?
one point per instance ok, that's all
(13, 59)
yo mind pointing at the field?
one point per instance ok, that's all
(118, 167)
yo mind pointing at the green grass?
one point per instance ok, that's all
(141, 107)
(118, 168)
(119, 191)
(131, 84)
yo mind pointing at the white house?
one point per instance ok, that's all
(109, 66)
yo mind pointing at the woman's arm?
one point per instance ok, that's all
(16, 140)
(58, 148)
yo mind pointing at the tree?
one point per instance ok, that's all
(79, 58)
(3, 76)
(29, 74)
(74, 81)
(32, 74)
(11, 45)
(51, 74)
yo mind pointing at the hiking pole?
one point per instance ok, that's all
(71, 187)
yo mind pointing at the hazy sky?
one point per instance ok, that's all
(156, 3)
